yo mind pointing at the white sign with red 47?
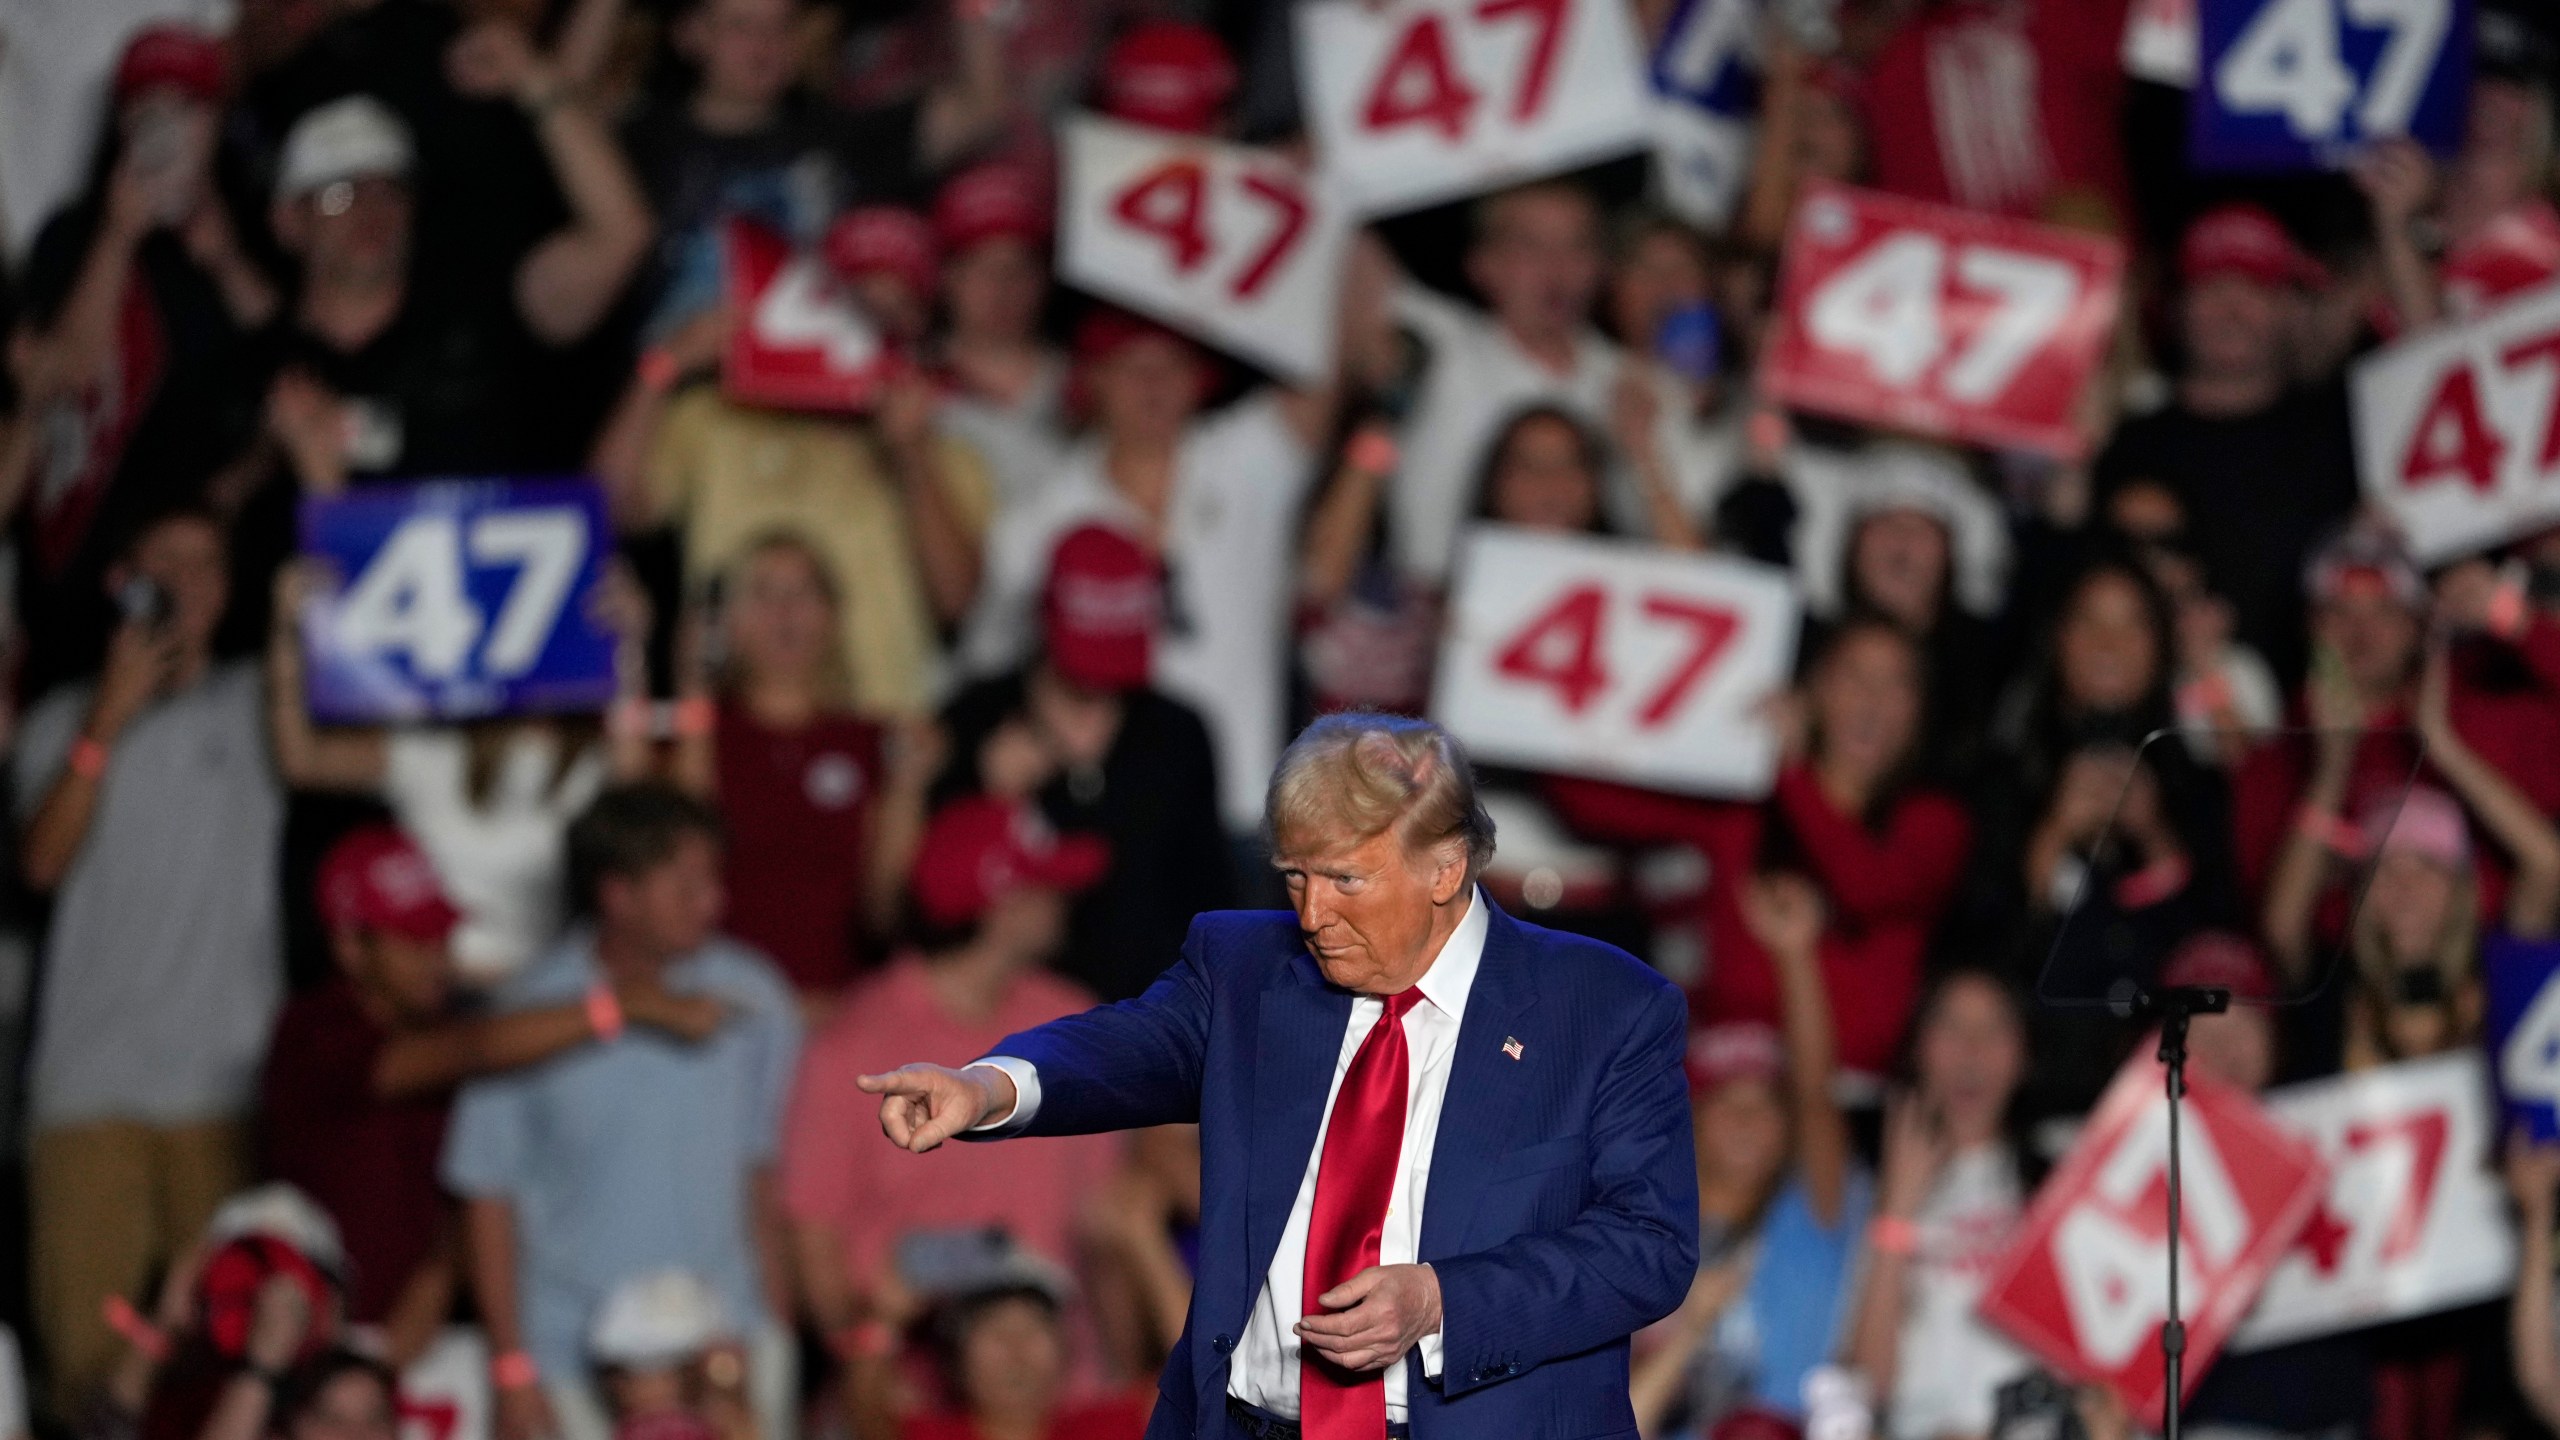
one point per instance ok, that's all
(2458, 429)
(2413, 1220)
(1238, 247)
(1420, 101)
(1615, 659)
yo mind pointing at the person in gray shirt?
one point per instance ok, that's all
(151, 812)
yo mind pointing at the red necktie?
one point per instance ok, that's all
(1354, 1178)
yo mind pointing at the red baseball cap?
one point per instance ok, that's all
(882, 240)
(1168, 74)
(1735, 1050)
(2244, 240)
(1106, 329)
(981, 849)
(992, 201)
(180, 57)
(1100, 608)
(376, 878)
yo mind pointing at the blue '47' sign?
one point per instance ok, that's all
(2300, 84)
(1706, 84)
(454, 599)
(2524, 1030)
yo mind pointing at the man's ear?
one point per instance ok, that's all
(1451, 875)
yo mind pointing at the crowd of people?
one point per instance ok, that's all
(538, 1034)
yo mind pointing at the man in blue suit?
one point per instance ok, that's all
(1445, 1156)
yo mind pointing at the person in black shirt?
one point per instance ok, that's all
(744, 141)
(2254, 469)
(1079, 731)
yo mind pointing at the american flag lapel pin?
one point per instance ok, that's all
(1511, 1046)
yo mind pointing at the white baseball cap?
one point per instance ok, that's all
(657, 1320)
(355, 138)
(282, 1213)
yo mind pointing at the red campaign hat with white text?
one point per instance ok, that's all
(981, 849)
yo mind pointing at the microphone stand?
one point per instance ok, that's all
(2173, 1008)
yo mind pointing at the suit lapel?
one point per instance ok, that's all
(1300, 1041)
(1489, 1087)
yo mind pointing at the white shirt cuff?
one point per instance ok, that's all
(1026, 1093)
(1429, 1345)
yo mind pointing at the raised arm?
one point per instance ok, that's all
(1626, 1261)
(2533, 1336)
(2533, 894)
(308, 756)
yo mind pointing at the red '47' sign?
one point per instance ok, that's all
(2085, 1282)
(1972, 327)
(1616, 660)
(1419, 101)
(1239, 247)
(2458, 429)
(799, 342)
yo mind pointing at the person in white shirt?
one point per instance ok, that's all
(1217, 497)
(1537, 260)
(1446, 1158)
(1007, 395)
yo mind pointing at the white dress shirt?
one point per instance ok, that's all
(1264, 1369)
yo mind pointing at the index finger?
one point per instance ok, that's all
(894, 1082)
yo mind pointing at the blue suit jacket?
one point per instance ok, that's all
(1562, 1214)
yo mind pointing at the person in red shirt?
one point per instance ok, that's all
(1886, 853)
(360, 1074)
(988, 907)
(820, 826)
(2003, 105)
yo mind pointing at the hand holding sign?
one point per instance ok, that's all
(799, 342)
(1425, 100)
(2458, 429)
(1926, 317)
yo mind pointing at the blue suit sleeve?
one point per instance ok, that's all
(1125, 1066)
(1626, 1261)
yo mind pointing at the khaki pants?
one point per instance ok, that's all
(111, 1202)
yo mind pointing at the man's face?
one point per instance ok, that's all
(2234, 326)
(744, 48)
(1366, 910)
(415, 975)
(670, 908)
(1146, 390)
(186, 559)
(1012, 1361)
(2374, 636)
(1538, 262)
(356, 229)
(996, 288)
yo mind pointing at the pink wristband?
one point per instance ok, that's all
(604, 1012)
(88, 758)
(138, 1332)
(1373, 451)
(513, 1370)
(2319, 826)
(2507, 614)
(1892, 1235)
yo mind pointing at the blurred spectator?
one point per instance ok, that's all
(635, 1155)
(2226, 696)
(1004, 1347)
(392, 364)
(672, 1366)
(821, 824)
(885, 256)
(1953, 1184)
(151, 813)
(487, 800)
(1008, 384)
(361, 1072)
(2533, 1179)
(1535, 257)
(1210, 496)
(742, 140)
(988, 900)
(338, 1395)
(138, 298)
(1143, 1233)
(2498, 231)
(897, 507)
(2251, 470)
(1080, 732)
(1780, 1206)
(1885, 850)
(1167, 75)
(265, 1289)
(2417, 936)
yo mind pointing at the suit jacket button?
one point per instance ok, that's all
(1224, 1345)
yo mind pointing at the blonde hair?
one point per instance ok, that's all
(1354, 775)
